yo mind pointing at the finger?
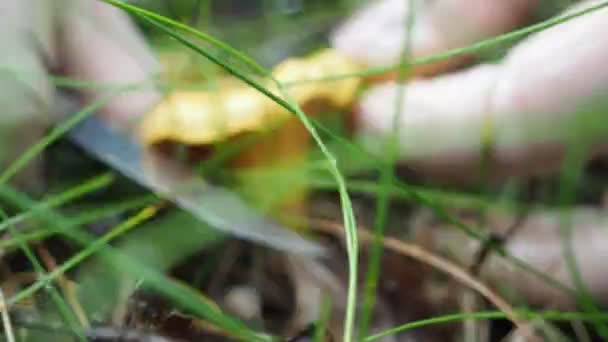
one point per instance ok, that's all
(99, 43)
(25, 91)
(537, 240)
(529, 101)
(376, 35)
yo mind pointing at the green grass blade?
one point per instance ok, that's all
(432, 202)
(91, 216)
(64, 309)
(324, 316)
(183, 296)
(571, 174)
(349, 219)
(387, 178)
(54, 135)
(89, 250)
(350, 225)
(61, 199)
(490, 315)
(467, 50)
(157, 18)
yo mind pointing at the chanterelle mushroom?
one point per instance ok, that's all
(206, 117)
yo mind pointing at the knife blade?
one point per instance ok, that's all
(215, 205)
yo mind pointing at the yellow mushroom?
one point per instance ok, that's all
(204, 118)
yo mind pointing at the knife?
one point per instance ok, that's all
(215, 205)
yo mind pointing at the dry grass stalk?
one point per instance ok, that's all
(446, 266)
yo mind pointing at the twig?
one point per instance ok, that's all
(229, 256)
(416, 252)
(67, 287)
(580, 331)
(6, 320)
(473, 330)
(125, 290)
(489, 245)
(494, 240)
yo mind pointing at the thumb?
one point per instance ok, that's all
(99, 43)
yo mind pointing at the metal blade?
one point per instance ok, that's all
(217, 206)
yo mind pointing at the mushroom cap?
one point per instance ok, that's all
(207, 117)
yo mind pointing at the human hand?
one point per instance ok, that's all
(529, 99)
(82, 39)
